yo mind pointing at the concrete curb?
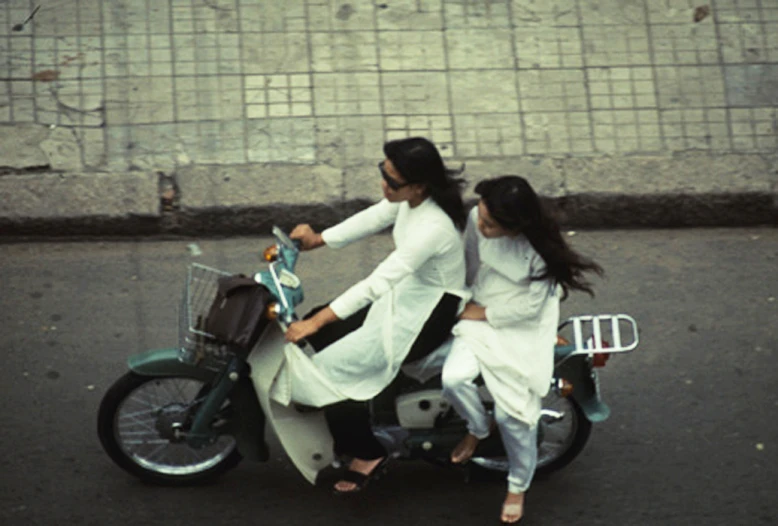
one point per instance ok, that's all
(690, 190)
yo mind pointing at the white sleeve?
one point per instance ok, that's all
(362, 224)
(397, 265)
(472, 259)
(523, 306)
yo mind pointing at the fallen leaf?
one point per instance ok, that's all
(701, 13)
(46, 75)
(90, 387)
(194, 250)
(571, 233)
(760, 447)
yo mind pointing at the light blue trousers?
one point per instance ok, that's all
(519, 438)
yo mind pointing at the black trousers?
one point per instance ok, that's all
(349, 421)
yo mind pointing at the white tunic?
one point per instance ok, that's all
(427, 262)
(515, 346)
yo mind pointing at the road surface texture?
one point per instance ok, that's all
(691, 439)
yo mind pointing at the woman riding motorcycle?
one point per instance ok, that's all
(404, 308)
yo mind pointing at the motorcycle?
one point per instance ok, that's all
(188, 414)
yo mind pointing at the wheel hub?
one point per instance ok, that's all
(170, 422)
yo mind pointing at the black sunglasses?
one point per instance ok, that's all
(392, 183)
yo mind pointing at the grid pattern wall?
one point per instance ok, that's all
(305, 81)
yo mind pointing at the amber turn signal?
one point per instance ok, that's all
(271, 253)
(564, 387)
(272, 311)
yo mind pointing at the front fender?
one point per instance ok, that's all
(578, 372)
(166, 362)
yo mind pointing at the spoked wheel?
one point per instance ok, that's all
(563, 431)
(142, 424)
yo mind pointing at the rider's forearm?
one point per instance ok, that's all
(324, 317)
(318, 241)
(362, 224)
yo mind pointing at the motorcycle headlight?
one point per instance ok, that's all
(272, 311)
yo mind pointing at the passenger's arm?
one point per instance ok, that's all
(522, 306)
(473, 312)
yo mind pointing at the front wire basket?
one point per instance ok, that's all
(197, 346)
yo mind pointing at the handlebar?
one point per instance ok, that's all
(279, 277)
(285, 240)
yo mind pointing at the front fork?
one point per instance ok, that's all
(247, 424)
(201, 433)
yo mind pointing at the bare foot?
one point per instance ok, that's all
(465, 449)
(512, 508)
(360, 466)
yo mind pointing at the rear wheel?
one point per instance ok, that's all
(142, 422)
(563, 431)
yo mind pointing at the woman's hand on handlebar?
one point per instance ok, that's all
(307, 237)
(300, 330)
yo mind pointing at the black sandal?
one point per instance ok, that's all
(360, 479)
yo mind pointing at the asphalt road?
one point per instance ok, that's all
(693, 436)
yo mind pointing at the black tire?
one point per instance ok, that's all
(111, 438)
(583, 429)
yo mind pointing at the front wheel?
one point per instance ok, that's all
(142, 422)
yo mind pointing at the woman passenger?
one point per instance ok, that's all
(518, 269)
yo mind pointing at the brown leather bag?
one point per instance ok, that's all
(237, 314)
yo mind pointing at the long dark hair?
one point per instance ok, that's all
(419, 161)
(515, 206)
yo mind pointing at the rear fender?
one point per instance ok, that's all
(578, 372)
